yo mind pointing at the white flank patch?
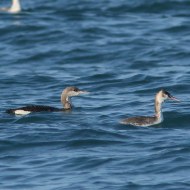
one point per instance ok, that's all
(21, 112)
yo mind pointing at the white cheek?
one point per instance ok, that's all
(161, 99)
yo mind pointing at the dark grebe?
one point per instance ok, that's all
(160, 97)
(65, 100)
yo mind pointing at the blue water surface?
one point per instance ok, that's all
(123, 52)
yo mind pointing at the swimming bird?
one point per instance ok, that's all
(15, 7)
(146, 121)
(65, 100)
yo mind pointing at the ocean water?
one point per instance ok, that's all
(121, 51)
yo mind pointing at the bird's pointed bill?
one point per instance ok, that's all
(83, 92)
(174, 98)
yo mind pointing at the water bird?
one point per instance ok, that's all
(146, 121)
(65, 100)
(15, 7)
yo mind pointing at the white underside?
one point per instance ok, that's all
(158, 121)
(22, 112)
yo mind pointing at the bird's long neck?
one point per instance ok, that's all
(15, 7)
(66, 101)
(158, 109)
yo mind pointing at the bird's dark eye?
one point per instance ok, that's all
(167, 94)
(75, 89)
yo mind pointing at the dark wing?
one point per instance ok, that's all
(35, 108)
(140, 121)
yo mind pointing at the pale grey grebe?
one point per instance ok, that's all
(145, 121)
(15, 7)
(65, 100)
